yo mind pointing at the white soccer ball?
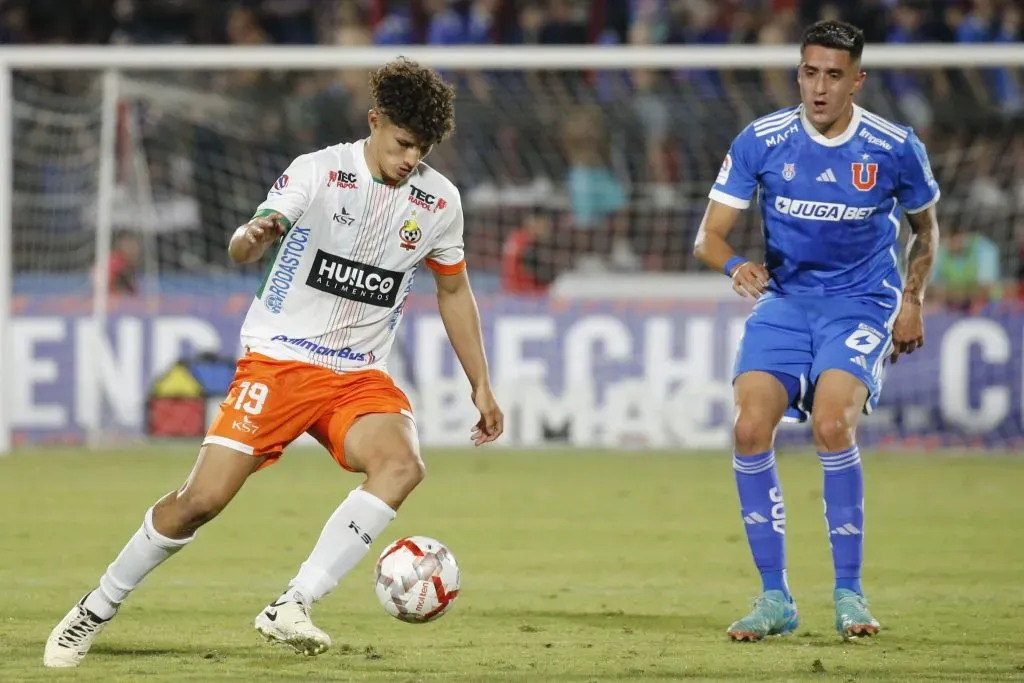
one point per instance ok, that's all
(416, 579)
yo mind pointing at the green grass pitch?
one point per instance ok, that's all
(577, 566)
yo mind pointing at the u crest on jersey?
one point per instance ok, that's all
(789, 171)
(865, 175)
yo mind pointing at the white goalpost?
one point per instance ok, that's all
(48, 137)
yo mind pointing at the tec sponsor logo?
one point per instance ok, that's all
(280, 281)
(821, 211)
(320, 350)
(425, 200)
(343, 180)
(354, 281)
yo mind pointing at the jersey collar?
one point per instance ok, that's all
(846, 136)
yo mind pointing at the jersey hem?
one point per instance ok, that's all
(229, 443)
(281, 352)
(728, 199)
(263, 213)
(446, 269)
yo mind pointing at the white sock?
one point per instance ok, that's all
(143, 553)
(345, 540)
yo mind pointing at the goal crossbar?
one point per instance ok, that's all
(588, 57)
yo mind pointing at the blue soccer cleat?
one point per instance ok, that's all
(853, 620)
(772, 615)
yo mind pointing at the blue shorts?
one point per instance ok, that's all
(796, 338)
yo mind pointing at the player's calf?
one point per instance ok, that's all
(385, 447)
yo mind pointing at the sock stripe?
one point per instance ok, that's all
(838, 455)
(755, 464)
(843, 460)
(833, 461)
(840, 466)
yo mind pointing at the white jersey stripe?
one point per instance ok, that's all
(883, 131)
(885, 123)
(884, 126)
(781, 125)
(772, 118)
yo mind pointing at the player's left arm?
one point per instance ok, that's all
(918, 192)
(461, 318)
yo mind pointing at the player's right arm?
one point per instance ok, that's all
(250, 241)
(286, 201)
(731, 194)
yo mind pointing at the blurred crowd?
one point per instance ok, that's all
(449, 22)
(558, 170)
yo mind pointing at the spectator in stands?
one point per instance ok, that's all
(125, 253)
(12, 24)
(528, 256)
(966, 272)
(906, 85)
(598, 198)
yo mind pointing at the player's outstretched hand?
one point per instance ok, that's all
(492, 422)
(749, 279)
(908, 330)
(265, 229)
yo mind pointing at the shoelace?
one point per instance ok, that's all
(77, 631)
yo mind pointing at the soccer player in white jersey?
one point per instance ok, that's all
(352, 223)
(831, 305)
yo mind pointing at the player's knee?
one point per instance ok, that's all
(753, 432)
(403, 467)
(196, 508)
(832, 430)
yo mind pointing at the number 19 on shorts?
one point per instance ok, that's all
(251, 396)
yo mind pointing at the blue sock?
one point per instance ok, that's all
(764, 516)
(844, 513)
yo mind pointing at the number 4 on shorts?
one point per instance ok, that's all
(256, 392)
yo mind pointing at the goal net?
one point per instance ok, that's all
(583, 192)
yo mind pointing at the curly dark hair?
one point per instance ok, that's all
(415, 98)
(835, 35)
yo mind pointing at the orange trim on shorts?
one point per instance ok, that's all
(272, 402)
(444, 268)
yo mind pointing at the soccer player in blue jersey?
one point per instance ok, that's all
(831, 180)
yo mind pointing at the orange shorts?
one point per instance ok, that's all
(272, 402)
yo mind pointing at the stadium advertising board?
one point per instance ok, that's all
(588, 374)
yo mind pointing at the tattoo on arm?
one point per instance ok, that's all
(921, 253)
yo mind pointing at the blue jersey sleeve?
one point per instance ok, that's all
(916, 189)
(737, 179)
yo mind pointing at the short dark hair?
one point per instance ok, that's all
(835, 35)
(415, 98)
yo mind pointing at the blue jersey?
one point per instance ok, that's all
(831, 206)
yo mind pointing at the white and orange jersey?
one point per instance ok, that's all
(334, 292)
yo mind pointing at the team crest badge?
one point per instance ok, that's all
(789, 171)
(410, 234)
(865, 175)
